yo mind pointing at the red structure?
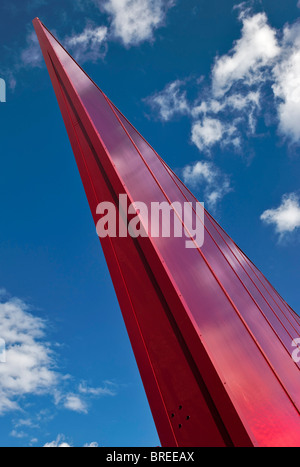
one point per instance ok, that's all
(211, 336)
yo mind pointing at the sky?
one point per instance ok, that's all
(215, 88)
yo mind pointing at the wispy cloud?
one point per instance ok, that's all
(260, 70)
(170, 101)
(206, 176)
(130, 21)
(89, 45)
(78, 401)
(25, 422)
(31, 55)
(18, 434)
(134, 21)
(31, 366)
(96, 392)
(285, 218)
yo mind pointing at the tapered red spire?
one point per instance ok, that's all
(211, 336)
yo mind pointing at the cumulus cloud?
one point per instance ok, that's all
(287, 86)
(89, 45)
(227, 110)
(209, 131)
(260, 71)
(29, 367)
(60, 442)
(256, 49)
(75, 403)
(134, 21)
(285, 218)
(206, 176)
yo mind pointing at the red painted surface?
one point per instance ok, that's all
(211, 336)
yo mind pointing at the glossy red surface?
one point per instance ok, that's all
(211, 336)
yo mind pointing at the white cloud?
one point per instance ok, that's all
(134, 21)
(89, 45)
(260, 72)
(170, 101)
(75, 403)
(257, 58)
(100, 391)
(70, 401)
(298, 4)
(29, 358)
(285, 218)
(61, 443)
(198, 172)
(78, 402)
(225, 114)
(256, 49)
(58, 443)
(241, 106)
(207, 132)
(207, 176)
(248, 105)
(287, 85)
(30, 367)
(240, 101)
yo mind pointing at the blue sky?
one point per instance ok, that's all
(214, 86)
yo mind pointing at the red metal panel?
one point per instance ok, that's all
(211, 337)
